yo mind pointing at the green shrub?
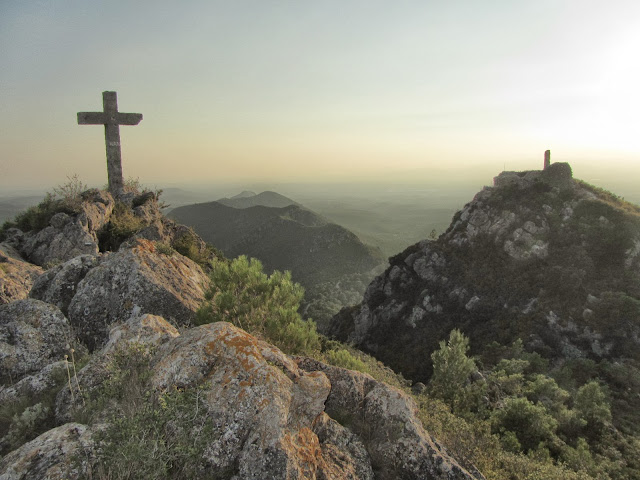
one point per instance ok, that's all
(451, 369)
(122, 225)
(26, 417)
(263, 305)
(342, 358)
(530, 423)
(191, 246)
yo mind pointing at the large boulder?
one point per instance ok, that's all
(385, 418)
(137, 279)
(33, 334)
(16, 275)
(60, 453)
(58, 284)
(264, 406)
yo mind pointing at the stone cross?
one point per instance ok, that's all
(547, 159)
(111, 118)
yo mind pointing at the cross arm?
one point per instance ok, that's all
(91, 118)
(128, 118)
(101, 118)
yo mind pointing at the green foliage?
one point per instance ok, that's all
(264, 305)
(529, 422)
(451, 369)
(165, 437)
(343, 358)
(191, 246)
(66, 198)
(592, 404)
(123, 224)
(146, 434)
(26, 417)
(164, 248)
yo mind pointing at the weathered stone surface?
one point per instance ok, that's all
(34, 385)
(268, 431)
(133, 281)
(68, 236)
(16, 275)
(60, 453)
(147, 330)
(58, 284)
(344, 455)
(386, 420)
(33, 334)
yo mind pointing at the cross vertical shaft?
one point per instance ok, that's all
(112, 142)
(111, 119)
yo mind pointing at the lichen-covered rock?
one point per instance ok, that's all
(267, 433)
(16, 275)
(32, 386)
(344, 455)
(386, 420)
(33, 334)
(68, 236)
(60, 453)
(58, 284)
(133, 281)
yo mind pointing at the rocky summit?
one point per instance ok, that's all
(538, 256)
(97, 342)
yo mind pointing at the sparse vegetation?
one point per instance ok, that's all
(122, 225)
(66, 198)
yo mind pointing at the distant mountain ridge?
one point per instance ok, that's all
(331, 262)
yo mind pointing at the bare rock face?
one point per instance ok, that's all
(60, 453)
(386, 420)
(33, 334)
(58, 284)
(268, 431)
(133, 281)
(68, 236)
(16, 275)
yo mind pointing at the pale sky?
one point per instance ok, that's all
(308, 91)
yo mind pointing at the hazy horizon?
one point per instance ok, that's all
(283, 92)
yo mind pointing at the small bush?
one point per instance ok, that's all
(342, 358)
(191, 246)
(263, 305)
(122, 225)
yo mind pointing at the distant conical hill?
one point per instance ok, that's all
(328, 260)
(248, 199)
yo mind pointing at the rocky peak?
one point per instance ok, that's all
(242, 408)
(525, 258)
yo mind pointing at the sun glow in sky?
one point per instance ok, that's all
(339, 91)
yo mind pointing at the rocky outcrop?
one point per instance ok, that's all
(68, 236)
(133, 281)
(60, 453)
(386, 420)
(535, 243)
(16, 275)
(57, 285)
(273, 416)
(33, 334)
